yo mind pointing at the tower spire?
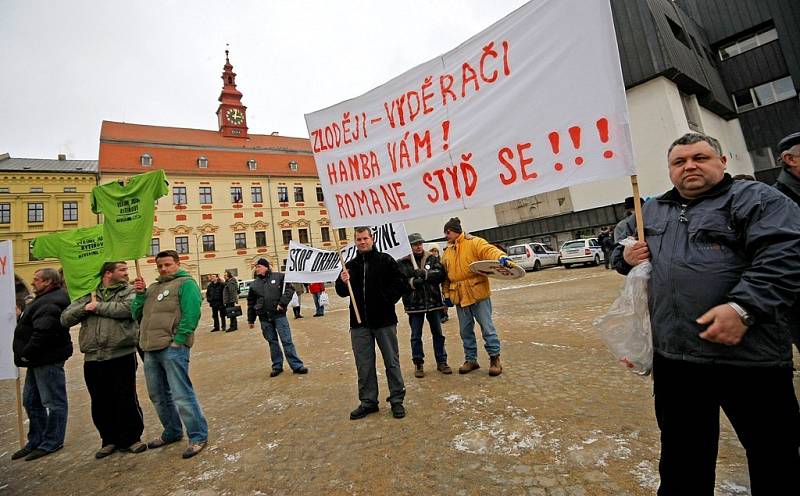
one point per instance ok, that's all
(231, 113)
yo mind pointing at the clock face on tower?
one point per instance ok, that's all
(234, 116)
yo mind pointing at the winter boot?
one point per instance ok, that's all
(494, 367)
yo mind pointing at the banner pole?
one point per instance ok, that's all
(637, 205)
(349, 287)
(19, 413)
(138, 269)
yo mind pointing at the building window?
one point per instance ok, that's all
(252, 164)
(70, 211)
(255, 192)
(236, 194)
(293, 165)
(35, 212)
(208, 242)
(202, 163)
(146, 160)
(4, 190)
(70, 189)
(240, 240)
(298, 194)
(326, 234)
(155, 246)
(30, 252)
(283, 194)
(179, 195)
(678, 33)
(764, 94)
(5, 213)
(182, 244)
(320, 197)
(748, 43)
(37, 189)
(261, 238)
(342, 233)
(205, 195)
(287, 236)
(692, 112)
(302, 235)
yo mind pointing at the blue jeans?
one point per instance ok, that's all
(480, 311)
(416, 321)
(320, 308)
(45, 401)
(167, 374)
(279, 330)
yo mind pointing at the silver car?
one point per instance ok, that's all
(533, 256)
(585, 251)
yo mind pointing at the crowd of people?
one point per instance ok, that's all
(725, 258)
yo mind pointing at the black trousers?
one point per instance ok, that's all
(218, 314)
(115, 407)
(760, 403)
(233, 325)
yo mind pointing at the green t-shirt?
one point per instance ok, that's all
(81, 254)
(128, 213)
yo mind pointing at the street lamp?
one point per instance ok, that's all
(197, 247)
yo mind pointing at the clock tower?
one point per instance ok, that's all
(231, 114)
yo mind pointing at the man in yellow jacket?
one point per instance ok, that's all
(469, 292)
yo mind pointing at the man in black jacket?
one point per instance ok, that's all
(788, 183)
(42, 345)
(267, 299)
(214, 292)
(377, 285)
(725, 261)
(424, 301)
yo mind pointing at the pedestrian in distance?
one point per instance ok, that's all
(317, 289)
(268, 300)
(214, 296)
(42, 345)
(168, 312)
(725, 261)
(108, 337)
(230, 298)
(377, 285)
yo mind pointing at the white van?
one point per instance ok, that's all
(244, 288)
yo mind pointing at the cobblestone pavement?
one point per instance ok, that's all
(562, 419)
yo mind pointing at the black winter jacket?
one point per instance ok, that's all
(425, 283)
(738, 242)
(39, 338)
(214, 293)
(266, 293)
(377, 285)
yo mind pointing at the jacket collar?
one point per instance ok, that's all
(179, 273)
(789, 180)
(718, 189)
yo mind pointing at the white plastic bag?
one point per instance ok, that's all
(323, 299)
(626, 327)
(295, 301)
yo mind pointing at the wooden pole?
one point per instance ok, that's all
(138, 269)
(349, 287)
(637, 205)
(19, 413)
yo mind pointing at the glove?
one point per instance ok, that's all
(419, 274)
(505, 262)
(448, 302)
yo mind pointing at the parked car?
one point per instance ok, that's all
(585, 251)
(534, 256)
(244, 288)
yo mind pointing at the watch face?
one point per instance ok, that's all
(234, 116)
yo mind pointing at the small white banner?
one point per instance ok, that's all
(8, 314)
(308, 264)
(534, 103)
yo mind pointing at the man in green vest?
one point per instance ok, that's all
(169, 311)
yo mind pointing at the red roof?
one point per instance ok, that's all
(177, 150)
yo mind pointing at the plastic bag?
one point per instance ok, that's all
(625, 329)
(295, 301)
(323, 299)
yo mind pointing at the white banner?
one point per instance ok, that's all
(8, 314)
(308, 264)
(534, 103)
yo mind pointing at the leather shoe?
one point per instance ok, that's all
(398, 410)
(301, 370)
(276, 372)
(21, 453)
(468, 367)
(36, 453)
(362, 411)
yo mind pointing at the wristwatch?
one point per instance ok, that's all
(747, 319)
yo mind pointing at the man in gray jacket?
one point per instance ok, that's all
(726, 268)
(230, 297)
(108, 338)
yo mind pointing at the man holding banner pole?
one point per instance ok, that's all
(469, 292)
(377, 284)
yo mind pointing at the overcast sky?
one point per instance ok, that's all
(69, 65)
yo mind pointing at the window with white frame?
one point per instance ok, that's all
(252, 164)
(283, 194)
(293, 165)
(240, 240)
(155, 246)
(255, 192)
(146, 160)
(182, 244)
(70, 211)
(764, 94)
(202, 163)
(748, 43)
(35, 212)
(205, 195)
(179, 195)
(236, 194)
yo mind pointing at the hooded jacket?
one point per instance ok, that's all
(377, 285)
(39, 338)
(463, 286)
(738, 242)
